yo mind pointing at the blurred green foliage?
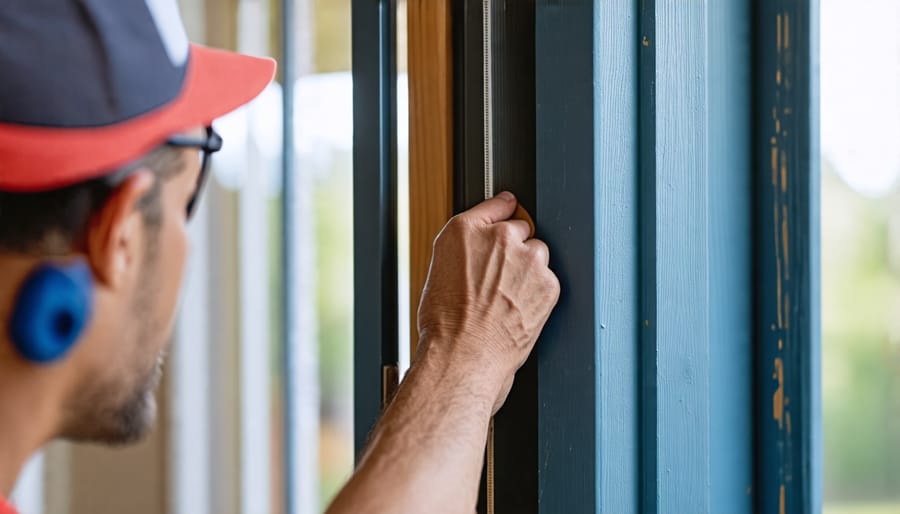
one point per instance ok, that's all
(334, 287)
(334, 293)
(861, 348)
(333, 207)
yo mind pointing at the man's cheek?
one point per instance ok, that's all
(174, 257)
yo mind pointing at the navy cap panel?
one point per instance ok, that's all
(83, 63)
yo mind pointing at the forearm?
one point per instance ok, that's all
(426, 453)
(488, 294)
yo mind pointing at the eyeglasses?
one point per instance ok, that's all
(209, 145)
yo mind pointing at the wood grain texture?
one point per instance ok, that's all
(678, 344)
(430, 137)
(617, 246)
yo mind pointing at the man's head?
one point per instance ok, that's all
(103, 146)
(130, 229)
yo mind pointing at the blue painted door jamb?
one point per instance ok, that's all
(671, 175)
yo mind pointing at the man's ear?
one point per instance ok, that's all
(115, 232)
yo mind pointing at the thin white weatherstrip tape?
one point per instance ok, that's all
(488, 102)
(488, 79)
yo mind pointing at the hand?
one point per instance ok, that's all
(488, 295)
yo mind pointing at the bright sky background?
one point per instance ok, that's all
(323, 129)
(860, 88)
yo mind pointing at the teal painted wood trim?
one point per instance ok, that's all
(616, 42)
(676, 259)
(586, 95)
(730, 258)
(649, 481)
(375, 283)
(566, 208)
(788, 238)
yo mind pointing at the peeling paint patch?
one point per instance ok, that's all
(781, 500)
(785, 196)
(774, 162)
(783, 172)
(778, 397)
(783, 165)
(778, 32)
(787, 31)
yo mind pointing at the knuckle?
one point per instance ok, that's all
(454, 229)
(552, 286)
(453, 226)
(456, 221)
(539, 253)
(506, 232)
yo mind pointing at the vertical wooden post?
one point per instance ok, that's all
(788, 324)
(730, 236)
(430, 138)
(375, 281)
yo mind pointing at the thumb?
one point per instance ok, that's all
(495, 210)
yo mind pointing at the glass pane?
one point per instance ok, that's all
(860, 86)
(323, 145)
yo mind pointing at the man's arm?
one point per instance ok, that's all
(488, 294)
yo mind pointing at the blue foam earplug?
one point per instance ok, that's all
(52, 309)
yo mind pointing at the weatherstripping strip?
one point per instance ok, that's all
(494, 151)
(488, 114)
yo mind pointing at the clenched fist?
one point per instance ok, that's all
(488, 295)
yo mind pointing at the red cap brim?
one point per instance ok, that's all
(42, 158)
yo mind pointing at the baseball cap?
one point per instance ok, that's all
(88, 86)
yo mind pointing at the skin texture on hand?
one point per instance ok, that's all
(488, 295)
(489, 291)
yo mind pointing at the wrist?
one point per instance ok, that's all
(479, 377)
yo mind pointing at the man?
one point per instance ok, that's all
(105, 137)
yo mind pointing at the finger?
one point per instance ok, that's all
(540, 250)
(515, 230)
(522, 214)
(498, 208)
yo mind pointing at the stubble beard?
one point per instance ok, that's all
(121, 410)
(109, 414)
